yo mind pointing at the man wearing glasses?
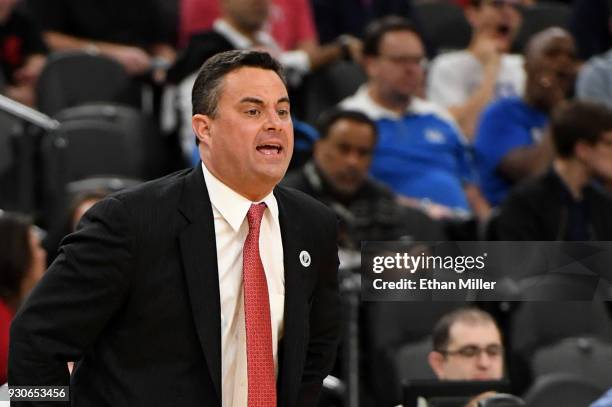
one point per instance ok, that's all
(467, 345)
(421, 154)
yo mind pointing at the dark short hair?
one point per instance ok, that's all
(578, 121)
(476, 3)
(470, 315)
(376, 30)
(207, 86)
(15, 253)
(328, 118)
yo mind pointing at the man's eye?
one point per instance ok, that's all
(283, 112)
(252, 112)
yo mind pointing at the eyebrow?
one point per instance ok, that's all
(260, 102)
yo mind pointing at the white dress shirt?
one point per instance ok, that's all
(231, 229)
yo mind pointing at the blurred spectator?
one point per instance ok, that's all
(510, 143)
(22, 264)
(334, 18)
(286, 24)
(241, 26)
(338, 176)
(130, 33)
(567, 203)
(80, 203)
(22, 53)
(289, 22)
(595, 79)
(421, 153)
(467, 345)
(466, 81)
(591, 26)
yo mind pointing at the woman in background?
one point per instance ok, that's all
(22, 263)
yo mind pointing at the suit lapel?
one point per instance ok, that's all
(292, 349)
(199, 253)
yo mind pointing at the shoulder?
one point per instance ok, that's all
(454, 59)
(457, 65)
(507, 106)
(436, 113)
(425, 107)
(305, 209)
(156, 193)
(599, 194)
(534, 191)
(513, 61)
(373, 187)
(597, 65)
(296, 179)
(358, 101)
(301, 203)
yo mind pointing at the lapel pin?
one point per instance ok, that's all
(305, 258)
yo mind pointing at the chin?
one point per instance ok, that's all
(272, 177)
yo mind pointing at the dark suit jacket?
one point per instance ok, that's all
(538, 210)
(134, 296)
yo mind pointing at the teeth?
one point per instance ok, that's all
(269, 146)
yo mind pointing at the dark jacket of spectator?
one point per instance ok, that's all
(136, 23)
(370, 214)
(544, 209)
(19, 39)
(334, 18)
(590, 25)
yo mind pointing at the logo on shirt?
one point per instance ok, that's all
(305, 258)
(537, 134)
(434, 136)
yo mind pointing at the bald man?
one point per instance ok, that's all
(511, 142)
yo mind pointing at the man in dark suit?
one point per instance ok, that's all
(149, 294)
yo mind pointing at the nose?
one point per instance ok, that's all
(483, 360)
(273, 121)
(565, 59)
(352, 158)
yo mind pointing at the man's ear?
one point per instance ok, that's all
(369, 65)
(316, 147)
(436, 362)
(582, 150)
(201, 127)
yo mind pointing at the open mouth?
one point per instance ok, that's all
(503, 29)
(270, 149)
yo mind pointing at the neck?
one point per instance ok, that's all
(258, 191)
(536, 104)
(573, 174)
(394, 102)
(250, 34)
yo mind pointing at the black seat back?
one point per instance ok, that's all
(73, 78)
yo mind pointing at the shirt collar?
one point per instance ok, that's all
(362, 101)
(239, 40)
(230, 204)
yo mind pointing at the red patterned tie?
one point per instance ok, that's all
(260, 362)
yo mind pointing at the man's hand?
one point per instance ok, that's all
(135, 60)
(28, 73)
(485, 50)
(22, 94)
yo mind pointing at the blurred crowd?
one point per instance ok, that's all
(419, 120)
